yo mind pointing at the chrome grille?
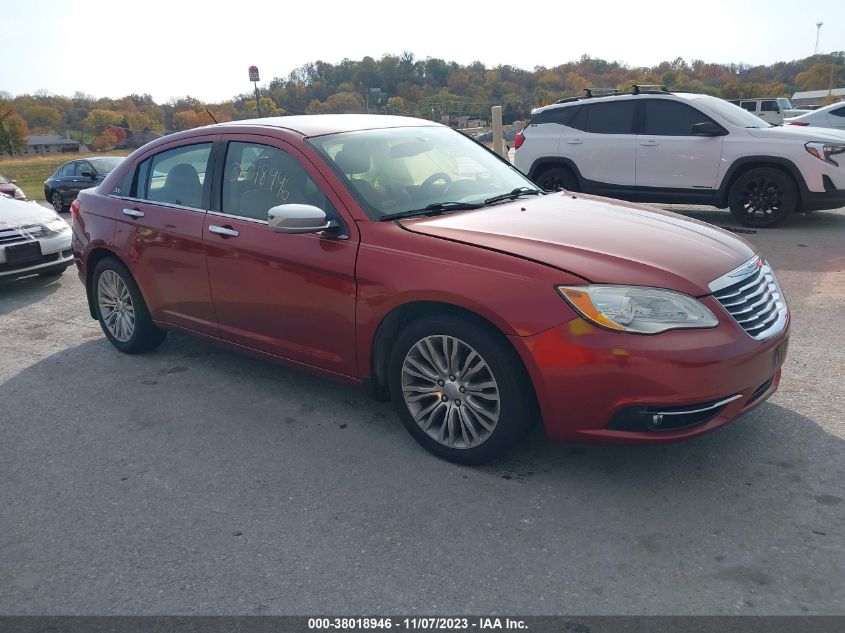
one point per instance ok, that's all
(10, 236)
(752, 296)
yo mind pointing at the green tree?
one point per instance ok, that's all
(13, 133)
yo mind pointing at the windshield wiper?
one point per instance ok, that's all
(433, 209)
(513, 195)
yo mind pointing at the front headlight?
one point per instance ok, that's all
(824, 151)
(19, 194)
(56, 226)
(637, 309)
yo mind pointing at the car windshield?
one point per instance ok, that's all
(394, 171)
(106, 164)
(3, 181)
(731, 113)
(784, 104)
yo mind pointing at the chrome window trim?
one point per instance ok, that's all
(237, 217)
(169, 205)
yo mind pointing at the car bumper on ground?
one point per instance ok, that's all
(599, 386)
(55, 254)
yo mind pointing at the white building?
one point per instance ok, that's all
(814, 97)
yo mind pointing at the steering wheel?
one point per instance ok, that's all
(436, 177)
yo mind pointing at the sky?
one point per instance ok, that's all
(175, 48)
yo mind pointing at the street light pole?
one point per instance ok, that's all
(818, 32)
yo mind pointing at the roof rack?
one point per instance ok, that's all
(637, 89)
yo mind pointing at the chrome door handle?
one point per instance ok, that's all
(133, 213)
(650, 144)
(222, 230)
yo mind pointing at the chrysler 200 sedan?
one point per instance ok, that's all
(398, 253)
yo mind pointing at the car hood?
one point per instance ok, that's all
(14, 213)
(798, 133)
(599, 239)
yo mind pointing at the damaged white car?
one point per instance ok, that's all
(33, 240)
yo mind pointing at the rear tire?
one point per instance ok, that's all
(121, 310)
(557, 179)
(460, 389)
(58, 205)
(763, 197)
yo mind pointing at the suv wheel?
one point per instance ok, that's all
(762, 197)
(557, 179)
(121, 309)
(459, 389)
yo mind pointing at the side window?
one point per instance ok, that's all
(176, 176)
(751, 106)
(67, 170)
(82, 167)
(562, 116)
(257, 178)
(769, 106)
(838, 112)
(669, 118)
(579, 119)
(611, 117)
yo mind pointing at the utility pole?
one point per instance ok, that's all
(818, 33)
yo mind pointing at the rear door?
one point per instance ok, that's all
(836, 118)
(288, 295)
(600, 140)
(542, 137)
(159, 232)
(669, 156)
(770, 111)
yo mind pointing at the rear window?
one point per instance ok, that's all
(838, 112)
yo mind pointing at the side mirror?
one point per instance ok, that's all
(297, 218)
(14, 182)
(707, 128)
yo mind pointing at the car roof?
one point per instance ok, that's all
(320, 124)
(622, 96)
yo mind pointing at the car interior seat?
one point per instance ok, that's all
(182, 186)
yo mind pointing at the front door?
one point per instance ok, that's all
(288, 295)
(669, 156)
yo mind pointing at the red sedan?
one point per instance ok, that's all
(399, 253)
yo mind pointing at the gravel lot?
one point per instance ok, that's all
(193, 480)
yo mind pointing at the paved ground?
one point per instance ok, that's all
(193, 480)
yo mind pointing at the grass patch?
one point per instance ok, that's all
(31, 172)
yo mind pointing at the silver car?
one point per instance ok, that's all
(832, 116)
(33, 240)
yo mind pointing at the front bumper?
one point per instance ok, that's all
(588, 379)
(55, 254)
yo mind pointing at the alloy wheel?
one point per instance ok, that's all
(116, 308)
(57, 202)
(761, 198)
(450, 391)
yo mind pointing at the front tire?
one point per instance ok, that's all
(763, 197)
(121, 309)
(460, 388)
(557, 179)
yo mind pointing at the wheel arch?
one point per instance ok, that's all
(549, 162)
(392, 323)
(747, 163)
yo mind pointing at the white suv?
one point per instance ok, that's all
(683, 148)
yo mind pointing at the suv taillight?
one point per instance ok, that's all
(801, 123)
(74, 211)
(518, 140)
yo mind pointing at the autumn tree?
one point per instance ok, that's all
(43, 117)
(13, 132)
